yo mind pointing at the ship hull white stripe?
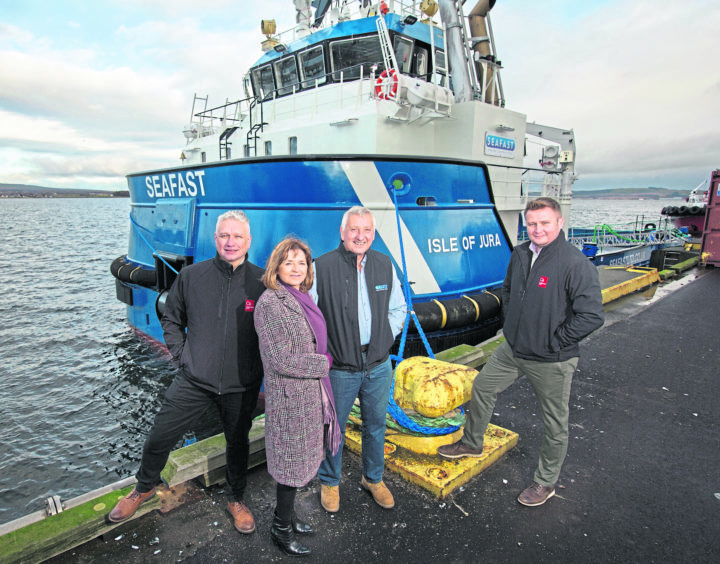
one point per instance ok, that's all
(370, 190)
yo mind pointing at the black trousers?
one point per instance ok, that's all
(184, 404)
(285, 506)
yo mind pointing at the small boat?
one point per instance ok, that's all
(381, 104)
(625, 245)
(690, 216)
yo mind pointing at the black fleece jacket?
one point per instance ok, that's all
(551, 307)
(215, 304)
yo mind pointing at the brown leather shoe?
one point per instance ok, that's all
(330, 498)
(244, 521)
(380, 493)
(536, 494)
(128, 505)
(458, 450)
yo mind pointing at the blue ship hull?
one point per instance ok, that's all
(452, 238)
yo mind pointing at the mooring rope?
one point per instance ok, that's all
(155, 253)
(393, 408)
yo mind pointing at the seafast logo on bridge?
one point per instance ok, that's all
(499, 146)
(176, 184)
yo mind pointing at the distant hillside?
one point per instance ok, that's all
(31, 191)
(650, 193)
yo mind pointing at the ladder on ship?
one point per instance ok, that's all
(225, 143)
(252, 134)
(197, 98)
(388, 52)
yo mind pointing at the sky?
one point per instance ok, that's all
(93, 91)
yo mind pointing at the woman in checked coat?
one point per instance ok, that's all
(299, 411)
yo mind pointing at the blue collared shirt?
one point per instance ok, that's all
(397, 309)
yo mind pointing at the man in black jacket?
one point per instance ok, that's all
(210, 333)
(551, 301)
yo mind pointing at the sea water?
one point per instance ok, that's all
(79, 388)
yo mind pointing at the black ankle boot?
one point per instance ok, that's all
(300, 527)
(283, 535)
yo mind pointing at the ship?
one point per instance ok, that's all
(397, 106)
(690, 216)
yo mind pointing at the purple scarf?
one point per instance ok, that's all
(317, 323)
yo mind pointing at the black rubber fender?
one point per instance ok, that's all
(126, 271)
(453, 313)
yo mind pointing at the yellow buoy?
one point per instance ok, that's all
(432, 387)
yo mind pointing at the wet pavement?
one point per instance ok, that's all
(641, 482)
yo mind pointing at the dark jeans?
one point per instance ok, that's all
(184, 404)
(373, 388)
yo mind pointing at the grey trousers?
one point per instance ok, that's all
(551, 382)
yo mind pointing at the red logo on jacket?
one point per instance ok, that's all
(543, 282)
(249, 305)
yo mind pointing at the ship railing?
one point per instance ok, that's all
(617, 236)
(350, 12)
(539, 181)
(228, 114)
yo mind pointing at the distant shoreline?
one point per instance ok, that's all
(48, 197)
(29, 191)
(8, 191)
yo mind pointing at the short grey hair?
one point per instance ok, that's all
(356, 210)
(237, 215)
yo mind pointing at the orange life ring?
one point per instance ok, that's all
(382, 90)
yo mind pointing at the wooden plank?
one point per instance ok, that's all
(204, 457)
(79, 524)
(463, 354)
(58, 533)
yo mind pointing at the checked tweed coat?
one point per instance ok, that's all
(293, 402)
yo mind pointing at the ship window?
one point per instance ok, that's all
(440, 66)
(426, 201)
(292, 148)
(312, 67)
(246, 150)
(421, 63)
(268, 147)
(263, 81)
(403, 53)
(351, 55)
(286, 74)
(247, 85)
(203, 157)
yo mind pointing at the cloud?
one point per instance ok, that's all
(79, 105)
(632, 80)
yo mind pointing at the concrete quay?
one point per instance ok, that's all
(640, 483)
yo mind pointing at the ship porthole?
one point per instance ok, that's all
(400, 182)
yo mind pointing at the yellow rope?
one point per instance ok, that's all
(494, 296)
(444, 313)
(476, 305)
